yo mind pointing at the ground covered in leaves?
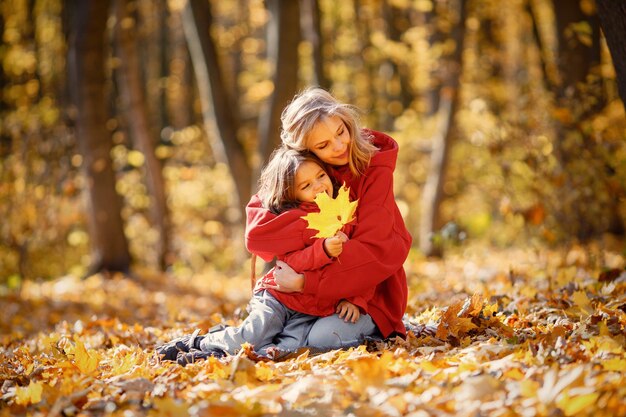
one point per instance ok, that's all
(519, 333)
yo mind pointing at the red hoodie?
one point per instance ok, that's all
(286, 237)
(376, 251)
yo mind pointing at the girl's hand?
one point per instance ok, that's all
(334, 245)
(286, 279)
(348, 311)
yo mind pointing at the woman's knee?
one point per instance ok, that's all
(334, 333)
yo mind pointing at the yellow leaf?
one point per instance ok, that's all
(614, 364)
(571, 406)
(369, 371)
(30, 394)
(263, 372)
(604, 344)
(528, 388)
(169, 407)
(582, 301)
(86, 362)
(515, 374)
(333, 214)
(490, 309)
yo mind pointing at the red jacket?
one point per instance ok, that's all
(375, 253)
(286, 237)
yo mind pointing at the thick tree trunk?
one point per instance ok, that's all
(432, 195)
(86, 64)
(132, 94)
(217, 108)
(612, 15)
(283, 40)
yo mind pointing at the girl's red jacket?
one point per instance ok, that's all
(373, 257)
(286, 237)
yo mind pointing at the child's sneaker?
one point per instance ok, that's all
(170, 350)
(194, 355)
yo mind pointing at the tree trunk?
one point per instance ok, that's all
(576, 60)
(86, 63)
(217, 108)
(312, 32)
(132, 94)
(612, 15)
(178, 97)
(432, 194)
(283, 39)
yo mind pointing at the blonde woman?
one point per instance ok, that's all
(372, 259)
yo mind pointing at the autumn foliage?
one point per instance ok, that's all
(516, 334)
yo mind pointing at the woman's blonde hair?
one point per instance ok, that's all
(315, 104)
(277, 190)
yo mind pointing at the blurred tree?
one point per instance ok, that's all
(86, 62)
(613, 19)
(178, 95)
(577, 99)
(449, 103)
(312, 32)
(283, 35)
(135, 110)
(220, 115)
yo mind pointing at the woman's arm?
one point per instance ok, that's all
(377, 249)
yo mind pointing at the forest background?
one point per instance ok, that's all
(508, 116)
(132, 133)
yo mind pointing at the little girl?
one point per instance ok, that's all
(279, 322)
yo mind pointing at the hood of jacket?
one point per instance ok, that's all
(276, 233)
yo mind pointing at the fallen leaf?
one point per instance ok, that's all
(30, 394)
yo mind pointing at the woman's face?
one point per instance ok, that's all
(330, 140)
(310, 180)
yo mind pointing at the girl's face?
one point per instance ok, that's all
(330, 140)
(310, 180)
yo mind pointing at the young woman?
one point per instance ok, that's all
(364, 160)
(278, 322)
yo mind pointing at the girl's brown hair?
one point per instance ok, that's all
(313, 105)
(277, 181)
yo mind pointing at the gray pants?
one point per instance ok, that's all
(332, 332)
(271, 324)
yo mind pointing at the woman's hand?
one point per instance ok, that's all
(348, 311)
(287, 280)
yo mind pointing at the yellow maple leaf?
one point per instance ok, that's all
(30, 394)
(582, 301)
(86, 362)
(334, 213)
